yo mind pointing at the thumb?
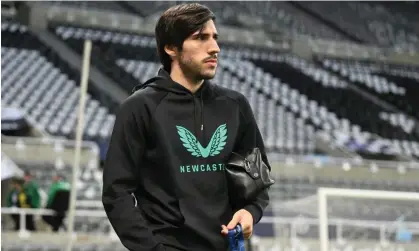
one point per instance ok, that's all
(233, 223)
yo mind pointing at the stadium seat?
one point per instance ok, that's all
(36, 81)
(131, 59)
(279, 132)
(396, 85)
(368, 22)
(92, 5)
(335, 109)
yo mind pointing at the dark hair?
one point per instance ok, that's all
(178, 23)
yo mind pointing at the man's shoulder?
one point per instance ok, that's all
(142, 98)
(230, 93)
(237, 97)
(144, 95)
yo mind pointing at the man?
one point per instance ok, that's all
(58, 199)
(18, 197)
(164, 186)
(13, 201)
(32, 190)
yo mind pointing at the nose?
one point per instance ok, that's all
(213, 48)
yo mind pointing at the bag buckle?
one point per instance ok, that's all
(247, 165)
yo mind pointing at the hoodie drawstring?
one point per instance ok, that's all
(194, 114)
(169, 87)
(202, 118)
(202, 136)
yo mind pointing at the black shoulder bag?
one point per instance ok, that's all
(247, 176)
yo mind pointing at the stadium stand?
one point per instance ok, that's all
(396, 85)
(274, 17)
(231, 75)
(367, 107)
(367, 22)
(45, 88)
(321, 93)
(91, 5)
(89, 182)
(283, 18)
(340, 106)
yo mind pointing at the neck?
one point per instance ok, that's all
(189, 83)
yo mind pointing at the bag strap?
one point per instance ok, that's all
(236, 239)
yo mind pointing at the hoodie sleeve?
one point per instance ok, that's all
(250, 138)
(120, 178)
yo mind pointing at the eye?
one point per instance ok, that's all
(202, 37)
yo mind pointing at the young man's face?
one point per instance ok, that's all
(198, 58)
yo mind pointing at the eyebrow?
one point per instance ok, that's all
(198, 33)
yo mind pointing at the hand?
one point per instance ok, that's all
(245, 219)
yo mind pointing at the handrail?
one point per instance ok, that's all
(330, 160)
(46, 141)
(23, 233)
(295, 223)
(48, 150)
(89, 203)
(336, 221)
(43, 211)
(282, 220)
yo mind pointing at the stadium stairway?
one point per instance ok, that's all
(24, 57)
(59, 56)
(393, 87)
(397, 85)
(106, 91)
(108, 48)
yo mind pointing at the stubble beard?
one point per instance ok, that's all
(194, 70)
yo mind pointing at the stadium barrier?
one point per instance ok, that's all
(48, 150)
(293, 234)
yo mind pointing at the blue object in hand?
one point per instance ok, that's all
(236, 239)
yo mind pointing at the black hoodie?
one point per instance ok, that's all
(163, 182)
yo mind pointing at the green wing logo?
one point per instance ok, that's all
(189, 141)
(192, 145)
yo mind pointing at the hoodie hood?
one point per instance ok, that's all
(164, 82)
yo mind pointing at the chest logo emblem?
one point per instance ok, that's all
(214, 147)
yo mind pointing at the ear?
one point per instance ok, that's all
(171, 50)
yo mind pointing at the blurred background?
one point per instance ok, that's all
(334, 87)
